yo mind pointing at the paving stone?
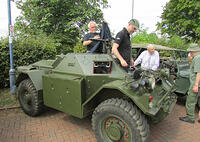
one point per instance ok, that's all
(55, 126)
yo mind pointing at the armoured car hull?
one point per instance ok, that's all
(82, 84)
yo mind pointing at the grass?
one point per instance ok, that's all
(7, 99)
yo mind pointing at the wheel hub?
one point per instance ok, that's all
(114, 132)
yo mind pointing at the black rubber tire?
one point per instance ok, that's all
(126, 112)
(29, 99)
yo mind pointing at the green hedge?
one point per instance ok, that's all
(26, 50)
(79, 48)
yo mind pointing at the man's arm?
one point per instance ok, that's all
(87, 42)
(157, 62)
(139, 59)
(132, 62)
(196, 84)
(117, 54)
(197, 70)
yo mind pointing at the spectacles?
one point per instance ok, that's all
(134, 29)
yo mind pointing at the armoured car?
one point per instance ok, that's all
(122, 104)
(175, 60)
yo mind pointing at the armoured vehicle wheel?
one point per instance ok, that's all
(116, 120)
(29, 99)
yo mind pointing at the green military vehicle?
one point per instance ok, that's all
(176, 61)
(121, 104)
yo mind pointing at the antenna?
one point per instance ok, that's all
(132, 7)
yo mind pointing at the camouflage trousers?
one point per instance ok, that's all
(191, 101)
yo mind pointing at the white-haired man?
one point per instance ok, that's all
(149, 59)
(92, 26)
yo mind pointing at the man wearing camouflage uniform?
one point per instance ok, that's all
(193, 92)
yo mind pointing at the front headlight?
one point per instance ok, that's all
(147, 82)
(142, 82)
(135, 85)
(165, 72)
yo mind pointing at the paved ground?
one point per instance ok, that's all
(54, 126)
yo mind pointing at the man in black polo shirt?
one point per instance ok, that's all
(122, 44)
(92, 34)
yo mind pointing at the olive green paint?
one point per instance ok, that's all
(69, 84)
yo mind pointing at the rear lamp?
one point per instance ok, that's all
(150, 98)
(150, 102)
(174, 77)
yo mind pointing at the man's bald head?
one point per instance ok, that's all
(151, 48)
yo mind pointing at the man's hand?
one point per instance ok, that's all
(123, 63)
(105, 21)
(196, 88)
(96, 37)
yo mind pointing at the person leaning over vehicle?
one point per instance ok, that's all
(149, 59)
(92, 34)
(193, 92)
(122, 45)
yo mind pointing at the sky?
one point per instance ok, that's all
(146, 11)
(4, 16)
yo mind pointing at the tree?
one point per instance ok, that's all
(182, 18)
(144, 37)
(174, 42)
(65, 20)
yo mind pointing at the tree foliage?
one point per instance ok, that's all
(182, 18)
(173, 42)
(64, 20)
(79, 48)
(144, 37)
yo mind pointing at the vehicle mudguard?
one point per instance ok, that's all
(140, 101)
(34, 75)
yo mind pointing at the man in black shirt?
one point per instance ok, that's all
(122, 44)
(92, 34)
